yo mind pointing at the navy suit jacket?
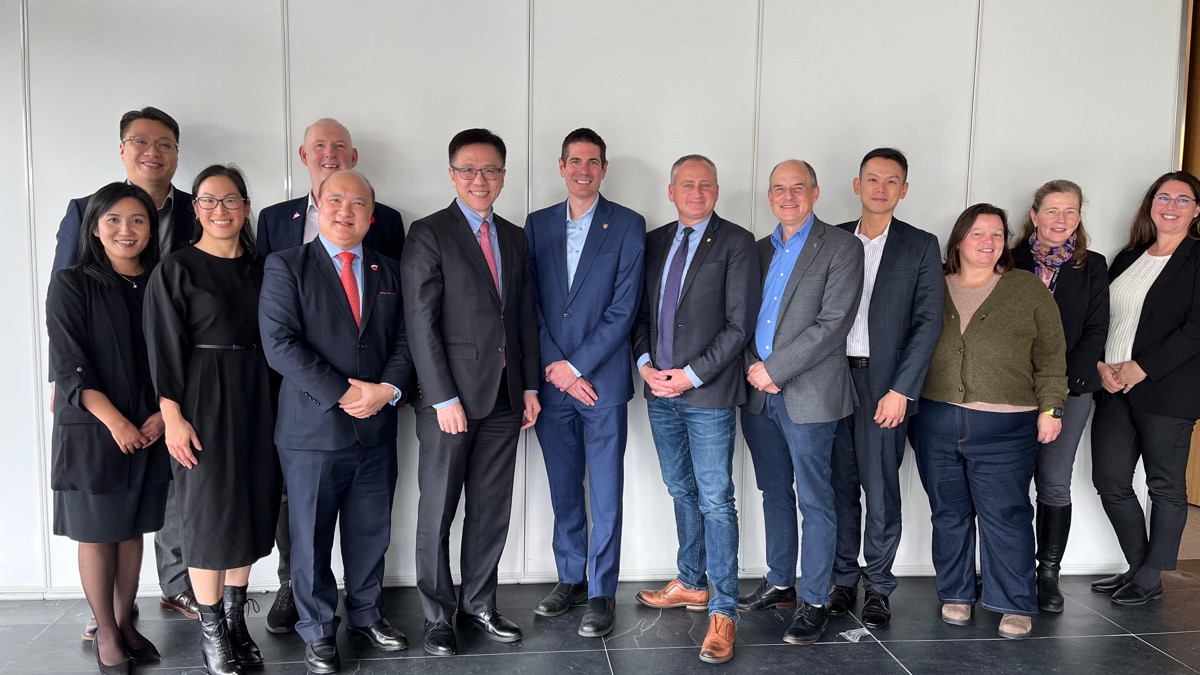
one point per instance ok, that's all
(905, 317)
(66, 253)
(589, 323)
(718, 308)
(310, 338)
(281, 226)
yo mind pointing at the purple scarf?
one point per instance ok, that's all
(1047, 259)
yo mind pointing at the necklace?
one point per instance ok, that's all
(132, 282)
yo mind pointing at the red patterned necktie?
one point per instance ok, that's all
(485, 242)
(351, 285)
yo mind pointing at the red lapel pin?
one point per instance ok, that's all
(605, 226)
(374, 268)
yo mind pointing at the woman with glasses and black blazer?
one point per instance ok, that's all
(1150, 371)
(1053, 244)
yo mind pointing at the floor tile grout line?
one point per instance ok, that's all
(1169, 656)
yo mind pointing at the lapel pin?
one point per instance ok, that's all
(605, 226)
(708, 240)
(372, 220)
(374, 268)
(295, 215)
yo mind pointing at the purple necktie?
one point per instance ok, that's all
(670, 305)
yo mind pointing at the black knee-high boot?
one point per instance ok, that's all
(235, 622)
(219, 657)
(1053, 526)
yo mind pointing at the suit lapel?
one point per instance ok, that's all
(323, 265)
(183, 219)
(891, 253)
(293, 230)
(1185, 249)
(472, 250)
(812, 246)
(557, 242)
(118, 315)
(595, 239)
(370, 285)
(702, 248)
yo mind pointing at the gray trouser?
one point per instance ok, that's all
(1056, 460)
(168, 550)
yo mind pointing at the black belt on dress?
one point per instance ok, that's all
(233, 348)
(858, 361)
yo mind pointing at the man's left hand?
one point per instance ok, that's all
(560, 375)
(891, 410)
(532, 408)
(373, 398)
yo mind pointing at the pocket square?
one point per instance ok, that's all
(387, 292)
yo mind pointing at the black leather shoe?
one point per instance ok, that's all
(560, 599)
(439, 639)
(282, 616)
(598, 619)
(840, 599)
(766, 596)
(146, 653)
(1132, 594)
(493, 625)
(876, 611)
(383, 635)
(89, 629)
(123, 668)
(808, 623)
(321, 656)
(1110, 585)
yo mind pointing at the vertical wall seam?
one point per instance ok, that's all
(974, 104)
(1181, 91)
(287, 98)
(38, 312)
(528, 208)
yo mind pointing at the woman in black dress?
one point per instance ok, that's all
(211, 379)
(110, 472)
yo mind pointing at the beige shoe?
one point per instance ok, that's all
(1015, 626)
(675, 594)
(718, 644)
(957, 615)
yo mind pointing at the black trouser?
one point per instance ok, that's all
(1120, 435)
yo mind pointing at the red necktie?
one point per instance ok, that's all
(350, 284)
(485, 242)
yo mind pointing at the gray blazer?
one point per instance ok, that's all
(808, 361)
(905, 317)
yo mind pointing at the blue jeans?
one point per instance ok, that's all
(695, 451)
(785, 452)
(978, 466)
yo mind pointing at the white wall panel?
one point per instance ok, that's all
(22, 557)
(91, 62)
(1100, 111)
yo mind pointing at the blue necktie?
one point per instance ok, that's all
(670, 305)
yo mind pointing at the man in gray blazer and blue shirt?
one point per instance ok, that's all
(696, 314)
(895, 330)
(800, 389)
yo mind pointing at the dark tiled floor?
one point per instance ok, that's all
(1092, 636)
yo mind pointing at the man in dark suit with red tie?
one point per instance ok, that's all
(327, 149)
(332, 325)
(468, 302)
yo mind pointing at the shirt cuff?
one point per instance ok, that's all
(395, 393)
(643, 360)
(445, 404)
(574, 369)
(696, 381)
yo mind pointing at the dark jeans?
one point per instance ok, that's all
(977, 466)
(1056, 459)
(785, 452)
(695, 452)
(1120, 435)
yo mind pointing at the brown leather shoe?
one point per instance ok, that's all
(675, 594)
(1015, 626)
(718, 644)
(184, 603)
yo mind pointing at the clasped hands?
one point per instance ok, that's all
(131, 438)
(666, 383)
(564, 379)
(1119, 377)
(364, 399)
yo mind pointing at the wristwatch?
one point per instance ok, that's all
(1056, 413)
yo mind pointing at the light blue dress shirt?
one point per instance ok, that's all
(577, 233)
(357, 267)
(693, 244)
(782, 262)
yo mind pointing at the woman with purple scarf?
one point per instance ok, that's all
(1053, 245)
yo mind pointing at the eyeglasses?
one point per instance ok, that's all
(1182, 202)
(209, 203)
(470, 172)
(142, 143)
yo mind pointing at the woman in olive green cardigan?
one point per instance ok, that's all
(994, 391)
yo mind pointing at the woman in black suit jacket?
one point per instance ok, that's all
(110, 472)
(1054, 245)
(1150, 402)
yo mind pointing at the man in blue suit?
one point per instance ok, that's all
(327, 149)
(333, 325)
(587, 257)
(895, 330)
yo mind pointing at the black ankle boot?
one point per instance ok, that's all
(219, 657)
(235, 623)
(1053, 526)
